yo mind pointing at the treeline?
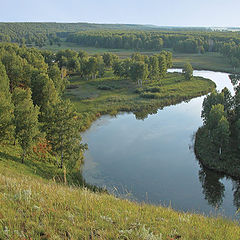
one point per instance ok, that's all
(140, 67)
(32, 112)
(227, 43)
(221, 116)
(231, 50)
(125, 36)
(137, 68)
(40, 34)
(193, 42)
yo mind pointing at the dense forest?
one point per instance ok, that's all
(50, 32)
(185, 42)
(33, 113)
(125, 36)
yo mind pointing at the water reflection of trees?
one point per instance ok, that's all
(236, 193)
(213, 189)
(143, 114)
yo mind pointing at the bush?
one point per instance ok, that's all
(105, 87)
(150, 95)
(153, 89)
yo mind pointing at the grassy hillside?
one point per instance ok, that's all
(34, 207)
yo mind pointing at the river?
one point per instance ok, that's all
(152, 160)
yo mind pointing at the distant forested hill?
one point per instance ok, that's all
(126, 36)
(31, 32)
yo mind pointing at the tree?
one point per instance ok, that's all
(82, 54)
(109, 58)
(100, 65)
(92, 66)
(6, 107)
(221, 134)
(139, 72)
(73, 65)
(212, 99)
(13, 65)
(118, 68)
(137, 57)
(55, 75)
(168, 56)
(126, 64)
(26, 120)
(227, 100)
(162, 62)
(43, 90)
(218, 126)
(215, 115)
(63, 131)
(68, 59)
(153, 68)
(187, 71)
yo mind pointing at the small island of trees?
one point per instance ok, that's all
(217, 143)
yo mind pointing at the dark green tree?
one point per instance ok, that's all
(62, 127)
(109, 58)
(153, 68)
(139, 72)
(43, 90)
(187, 71)
(26, 120)
(212, 99)
(6, 107)
(55, 75)
(221, 134)
(162, 63)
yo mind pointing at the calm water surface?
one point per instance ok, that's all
(152, 160)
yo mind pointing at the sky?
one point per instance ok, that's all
(202, 13)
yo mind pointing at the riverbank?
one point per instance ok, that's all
(208, 156)
(36, 207)
(111, 95)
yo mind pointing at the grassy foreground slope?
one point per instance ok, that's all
(32, 207)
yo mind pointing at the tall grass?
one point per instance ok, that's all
(32, 207)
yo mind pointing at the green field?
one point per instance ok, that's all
(110, 95)
(207, 61)
(34, 206)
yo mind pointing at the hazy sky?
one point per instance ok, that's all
(158, 12)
